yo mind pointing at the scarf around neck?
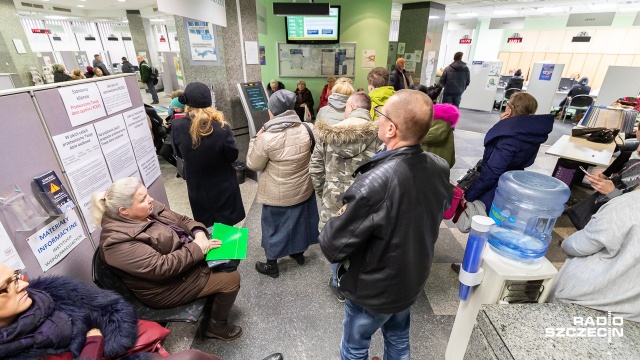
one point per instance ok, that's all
(40, 327)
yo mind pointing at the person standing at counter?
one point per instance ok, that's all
(455, 79)
(97, 63)
(127, 67)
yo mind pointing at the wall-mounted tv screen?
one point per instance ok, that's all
(314, 29)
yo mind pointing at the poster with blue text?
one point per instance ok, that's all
(547, 72)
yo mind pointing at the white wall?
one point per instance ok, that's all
(488, 42)
(451, 44)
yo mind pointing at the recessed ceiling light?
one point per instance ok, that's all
(468, 14)
(56, 17)
(505, 12)
(157, 20)
(80, 5)
(434, 17)
(121, 0)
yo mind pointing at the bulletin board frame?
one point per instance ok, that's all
(313, 60)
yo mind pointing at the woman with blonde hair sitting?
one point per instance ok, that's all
(159, 255)
(333, 113)
(204, 141)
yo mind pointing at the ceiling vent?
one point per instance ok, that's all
(61, 9)
(35, 6)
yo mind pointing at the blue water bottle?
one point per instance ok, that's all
(480, 226)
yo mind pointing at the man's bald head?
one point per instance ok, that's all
(412, 111)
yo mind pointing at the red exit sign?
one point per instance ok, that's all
(41, 31)
(465, 41)
(516, 40)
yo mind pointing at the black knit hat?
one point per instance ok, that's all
(196, 95)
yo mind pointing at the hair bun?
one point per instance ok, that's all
(183, 99)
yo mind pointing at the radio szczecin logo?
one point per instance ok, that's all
(602, 327)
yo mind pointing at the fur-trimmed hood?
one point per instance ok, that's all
(447, 113)
(351, 136)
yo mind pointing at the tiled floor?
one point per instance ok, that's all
(297, 314)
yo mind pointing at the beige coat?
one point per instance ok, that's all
(282, 154)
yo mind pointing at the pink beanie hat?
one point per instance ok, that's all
(446, 112)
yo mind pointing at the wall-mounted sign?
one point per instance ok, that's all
(212, 11)
(514, 39)
(582, 36)
(507, 23)
(466, 24)
(126, 38)
(592, 19)
(112, 37)
(465, 40)
(41, 31)
(162, 39)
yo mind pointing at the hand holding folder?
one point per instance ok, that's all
(234, 243)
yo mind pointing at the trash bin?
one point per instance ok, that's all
(240, 168)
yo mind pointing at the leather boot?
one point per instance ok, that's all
(218, 327)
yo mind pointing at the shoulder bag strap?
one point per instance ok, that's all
(313, 139)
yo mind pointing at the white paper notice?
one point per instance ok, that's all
(140, 135)
(83, 103)
(115, 95)
(56, 240)
(251, 52)
(8, 253)
(116, 147)
(84, 163)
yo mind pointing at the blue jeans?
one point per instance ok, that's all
(360, 324)
(334, 274)
(152, 90)
(452, 99)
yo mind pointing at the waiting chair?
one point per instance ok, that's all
(507, 96)
(578, 103)
(105, 279)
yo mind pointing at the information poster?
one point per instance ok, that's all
(56, 240)
(410, 66)
(201, 40)
(140, 135)
(84, 163)
(418, 55)
(8, 254)
(401, 47)
(116, 147)
(492, 82)
(176, 64)
(495, 68)
(115, 95)
(547, 72)
(82, 102)
(368, 59)
(429, 66)
(263, 58)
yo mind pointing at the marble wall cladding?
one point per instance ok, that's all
(10, 60)
(225, 76)
(138, 35)
(418, 32)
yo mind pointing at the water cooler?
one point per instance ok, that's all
(504, 259)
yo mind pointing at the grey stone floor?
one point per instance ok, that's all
(297, 315)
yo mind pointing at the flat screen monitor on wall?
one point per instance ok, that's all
(314, 29)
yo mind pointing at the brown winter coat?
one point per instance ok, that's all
(151, 260)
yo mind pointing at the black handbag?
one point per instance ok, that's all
(581, 213)
(223, 265)
(472, 174)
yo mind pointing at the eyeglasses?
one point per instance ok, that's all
(377, 111)
(17, 275)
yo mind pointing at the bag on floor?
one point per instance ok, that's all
(581, 213)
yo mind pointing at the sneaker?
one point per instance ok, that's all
(267, 269)
(335, 291)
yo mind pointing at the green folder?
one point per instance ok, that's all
(234, 243)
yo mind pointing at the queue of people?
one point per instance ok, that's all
(363, 158)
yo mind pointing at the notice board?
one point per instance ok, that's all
(317, 60)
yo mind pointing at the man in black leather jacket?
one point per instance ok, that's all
(384, 235)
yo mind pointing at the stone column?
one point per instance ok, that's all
(10, 60)
(421, 26)
(229, 72)
(138, 27)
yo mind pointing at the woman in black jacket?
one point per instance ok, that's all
(303, 99)
(516, 81)
(205, 142)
